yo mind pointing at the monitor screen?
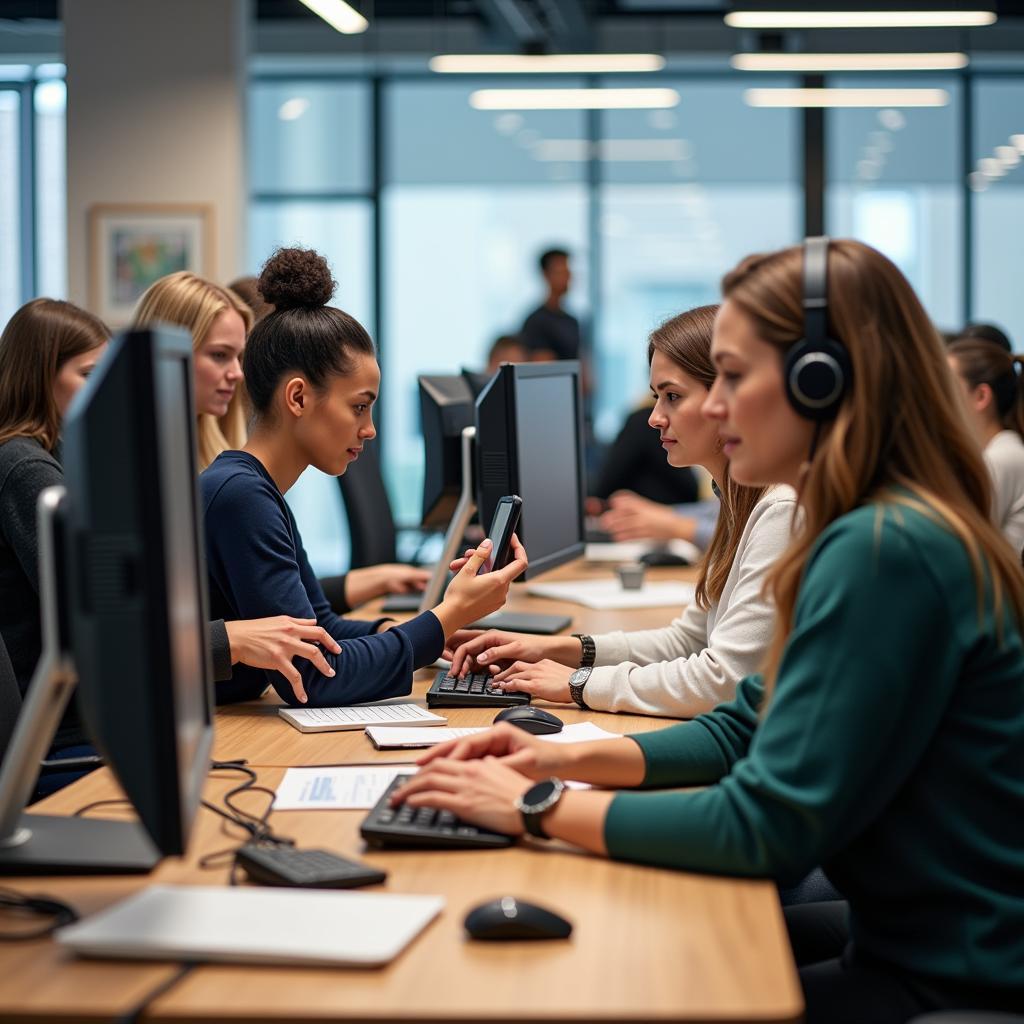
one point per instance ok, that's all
(529, 442)
(446, 407)
(137, 577)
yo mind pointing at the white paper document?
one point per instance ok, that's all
(609, 593)
(387, 739)
(359, 717)
(390, 738)
(336, 789)
(633, 550)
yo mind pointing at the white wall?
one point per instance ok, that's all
(156, 103)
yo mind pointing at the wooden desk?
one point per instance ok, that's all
(648, 945)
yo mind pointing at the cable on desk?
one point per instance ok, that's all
(254, 824)
(61, 913)
(134, 1015)
(100, 803)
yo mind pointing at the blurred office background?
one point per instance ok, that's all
(432, 212)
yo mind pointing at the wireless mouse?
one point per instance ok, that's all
(511, 918)
(534, 720)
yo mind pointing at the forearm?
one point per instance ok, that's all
(614, 763)
(579, 818)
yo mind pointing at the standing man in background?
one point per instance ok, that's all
(549, 331)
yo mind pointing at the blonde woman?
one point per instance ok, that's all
(885, 739)
(220, 321)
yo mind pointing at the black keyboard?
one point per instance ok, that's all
(474, 690)
(423, 826)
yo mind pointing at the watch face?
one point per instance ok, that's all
(538, 794)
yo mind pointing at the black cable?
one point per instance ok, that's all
(254, 824)
(100, 803)
(135, 1014)
(62, 914)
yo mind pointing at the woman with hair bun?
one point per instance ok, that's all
(994, 399)
(312, 377)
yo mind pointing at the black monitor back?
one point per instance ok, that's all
(529, 441)
(446, 408)
(138, 605)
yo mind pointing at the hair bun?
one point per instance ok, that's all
(296, 278)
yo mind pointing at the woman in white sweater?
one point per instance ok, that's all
(994, 400)
(693, 664)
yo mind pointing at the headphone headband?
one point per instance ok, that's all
(816, 289)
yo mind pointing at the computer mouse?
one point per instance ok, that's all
(534, 720)
(660, 557)
(510, 918)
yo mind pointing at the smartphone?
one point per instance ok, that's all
(503, 525)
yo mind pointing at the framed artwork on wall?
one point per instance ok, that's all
(131, 245)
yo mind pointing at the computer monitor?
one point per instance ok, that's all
(131, 622)
(529, 431)
(446, 408)
(476, 380)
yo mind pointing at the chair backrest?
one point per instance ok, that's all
(10, 699)
(371, 523)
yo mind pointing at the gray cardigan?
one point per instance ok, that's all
(26, 469)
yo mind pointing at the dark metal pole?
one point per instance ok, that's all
(814, 161)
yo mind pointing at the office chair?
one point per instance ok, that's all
(10, 707)
(371, 524)
(967, 1017)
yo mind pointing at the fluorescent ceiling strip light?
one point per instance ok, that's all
(858, 19)
(339, 15)
(555, 63)
(573, 99)
(849, 61)
(846, 97)
(618, 150)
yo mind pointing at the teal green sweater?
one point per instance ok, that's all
(892, 752)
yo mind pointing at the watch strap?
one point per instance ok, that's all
(577, 682)
(589, 655)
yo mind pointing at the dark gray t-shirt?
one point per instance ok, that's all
(554, 330)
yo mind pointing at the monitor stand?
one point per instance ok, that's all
(514, 622)
(41, 844)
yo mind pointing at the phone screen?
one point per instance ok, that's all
(503, 525)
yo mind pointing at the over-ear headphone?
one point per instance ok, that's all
(817, 368)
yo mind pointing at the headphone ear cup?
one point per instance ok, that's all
(817, 378)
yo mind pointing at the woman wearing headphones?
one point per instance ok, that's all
(312, 376)
(219, 321)
(885, 738)
(994, 399)
(693, 664)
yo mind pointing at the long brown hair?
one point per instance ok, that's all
(686, 340)
(37, 341)
(188, 300)
(984, 362)
(898, 429)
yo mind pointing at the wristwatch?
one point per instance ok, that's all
(589, 655)
(577, 681)
(540, 797)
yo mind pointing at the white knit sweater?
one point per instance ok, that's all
(695, 663)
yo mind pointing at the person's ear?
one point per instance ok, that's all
(982, 397)
(296, 396)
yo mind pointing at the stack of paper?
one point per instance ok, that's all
(609, 593)
(336, 789)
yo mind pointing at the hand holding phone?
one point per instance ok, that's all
(503, 525)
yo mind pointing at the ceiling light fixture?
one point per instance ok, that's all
(339, 15)
(846, 97)
(811, 62)
(544, 64)
(572, 99)
(858, 19)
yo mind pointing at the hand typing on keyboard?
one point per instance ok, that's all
(479, 792)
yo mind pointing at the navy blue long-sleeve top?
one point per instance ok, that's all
(257, 567)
